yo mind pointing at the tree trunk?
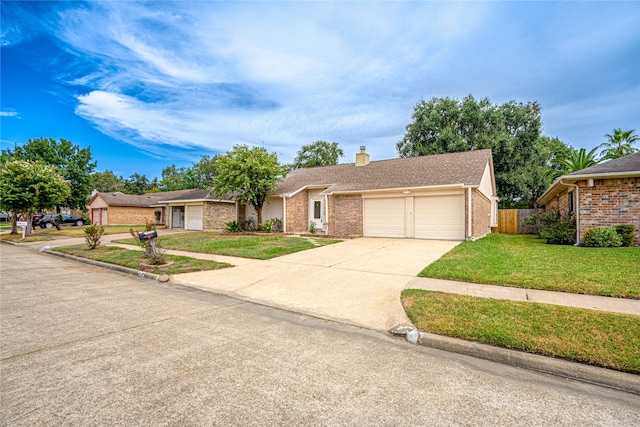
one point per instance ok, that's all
(29, 230)
(14, 226)
(259, 212)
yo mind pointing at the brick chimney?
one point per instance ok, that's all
(362, 158)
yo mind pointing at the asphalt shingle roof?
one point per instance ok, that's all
(145, 200)
(629, 163)
(411, 172)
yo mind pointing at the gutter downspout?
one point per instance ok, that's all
(576, 208)
(470, 217)
(326, 214)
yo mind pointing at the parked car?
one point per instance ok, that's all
(35, 219)
(48, 220)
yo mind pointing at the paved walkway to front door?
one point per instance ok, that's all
(358, 281)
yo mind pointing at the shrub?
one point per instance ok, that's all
(556, 227)
(232, 227)
(249, 224)
(267, 226)
(626, 233)
(93, 235)
(312, 227)
(543, 220)
(602, 237)
(562, 232)
(277, 224)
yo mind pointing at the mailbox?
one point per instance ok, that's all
(148, 235)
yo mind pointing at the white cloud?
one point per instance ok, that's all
(213, 74)
(9, 114)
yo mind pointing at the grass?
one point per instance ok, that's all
(40, 234)
(244, 246)
(524, 261)
(132, 259)
(608, 340)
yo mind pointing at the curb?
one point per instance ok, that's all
(118, 268)
(562, 368)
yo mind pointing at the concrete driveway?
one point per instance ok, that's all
(357, 281)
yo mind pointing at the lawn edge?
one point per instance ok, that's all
(114, 267)
(611, 378)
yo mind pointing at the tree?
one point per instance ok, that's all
(619, 144)
(29, 186)
(579, 160)
(106, 181)
(250, 174)
(74, 164)
(319, 153)
(205, 172)
(177, 178)
(136, 184)
(511, 131)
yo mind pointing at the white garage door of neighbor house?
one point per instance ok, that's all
(439, 217)
(385, 217)
(194, 218)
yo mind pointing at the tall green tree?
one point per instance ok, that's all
(106, 181)
(319, 153)
(579, 160)
(75, 164)
(177, 178)
(619, 143)
(511, 130)
(28, 186)
(205, 172)
(137, 184)
(250, 174)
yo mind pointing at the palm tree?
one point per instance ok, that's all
(579, 160)
(619, 144)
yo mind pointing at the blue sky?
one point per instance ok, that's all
(148, 84)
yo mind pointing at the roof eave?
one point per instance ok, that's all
(423, 187)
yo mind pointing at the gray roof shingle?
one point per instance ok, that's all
(629, 163)
(411, 172)
(145, 200)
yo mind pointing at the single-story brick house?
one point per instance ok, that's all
(445, 196)
(197, 210)
(187, 209)
(602, 195)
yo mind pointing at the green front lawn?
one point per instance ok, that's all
(71, 231)
(245, 246)
(609, 340)
(524, 261)
(132, 259)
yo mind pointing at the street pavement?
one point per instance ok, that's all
(82, 345)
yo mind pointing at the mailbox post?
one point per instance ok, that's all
(149, 236)
(22, 224)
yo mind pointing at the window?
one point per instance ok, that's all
(571, 202)
(316, 210)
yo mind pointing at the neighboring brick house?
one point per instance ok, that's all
(602, 195)
(116, 208)
(186, 209)
(445, 196)
(198, 210)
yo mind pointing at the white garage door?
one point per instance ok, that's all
(385, 217)
(439, 217)
(194, 218)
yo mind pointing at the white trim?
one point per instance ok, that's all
(469, 207)
(388, 190)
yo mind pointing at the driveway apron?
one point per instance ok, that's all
(358, 281)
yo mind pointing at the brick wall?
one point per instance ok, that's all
(481, 211)
(216, 215)
(298, 213)
(610, 202)
(126, 215)
(345, 215)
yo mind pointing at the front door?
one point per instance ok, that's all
(177, 217)
(315, 211)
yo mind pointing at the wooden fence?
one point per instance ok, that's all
(511, 221)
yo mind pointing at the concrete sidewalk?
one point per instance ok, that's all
(614, 305)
